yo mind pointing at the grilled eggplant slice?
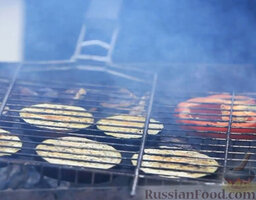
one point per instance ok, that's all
(9, 144)
(128, 126)
(76, 151)
(164, 162)
(57, 117)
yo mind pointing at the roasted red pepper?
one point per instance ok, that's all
(212, 113)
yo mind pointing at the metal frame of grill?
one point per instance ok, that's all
(226, 151)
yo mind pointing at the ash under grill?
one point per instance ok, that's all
(133, 94)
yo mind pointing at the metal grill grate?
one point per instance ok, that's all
(102, 98)
(227, 142)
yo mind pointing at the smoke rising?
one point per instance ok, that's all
(188, 31)
(159, 31)
(180, 31)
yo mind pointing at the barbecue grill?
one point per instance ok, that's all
(28, 84)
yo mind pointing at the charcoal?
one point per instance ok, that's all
(4, 171)
(32, 179)
(48, 92)
(54, 182)
(76, 93)
(27, 91)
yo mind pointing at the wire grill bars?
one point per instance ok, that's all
(128, 108)
(221, 125)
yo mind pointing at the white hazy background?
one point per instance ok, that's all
(11, 30)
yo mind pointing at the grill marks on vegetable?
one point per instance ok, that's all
(57, 117)
(164, 162)
(9, 144)
(128, 126)
(212, 113)
(80, 152)
(167, 162)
